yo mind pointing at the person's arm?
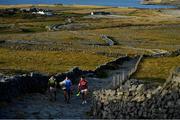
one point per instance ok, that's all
(49, 83)
(71, 88)
(79, 86)
(62, 83)
(55, 84)
(71, 83)
(87, 84)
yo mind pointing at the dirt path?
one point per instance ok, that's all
(38, 106)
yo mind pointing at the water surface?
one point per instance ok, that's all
(116, 3)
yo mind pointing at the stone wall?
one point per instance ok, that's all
(167, 54)
(74, 74)
(136, 66)
(119, 78)
(13, 86)
(135, 99)
(113, 65)
(108, 40)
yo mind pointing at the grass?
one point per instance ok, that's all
(84, 47)
(162, 37)
(156, 69)
(166, 37)
(48, 61)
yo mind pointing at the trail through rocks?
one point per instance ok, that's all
(37, 105)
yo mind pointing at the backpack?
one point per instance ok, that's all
(52, 82)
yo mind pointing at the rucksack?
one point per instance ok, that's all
(52, 82)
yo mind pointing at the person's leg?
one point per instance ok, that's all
(55, 95)
(85, 96)
(69, 95)
(82, 96)
(50, 94)
(65, 96)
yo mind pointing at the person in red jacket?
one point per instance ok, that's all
(83, 89)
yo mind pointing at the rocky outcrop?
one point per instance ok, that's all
(151, 1)
(172, 2)
(135, 99)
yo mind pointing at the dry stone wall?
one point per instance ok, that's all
(135, 99)
(17, 85)
(167, 54)
(121, 77)
(13, 86)
(113, 65)
(74, 74)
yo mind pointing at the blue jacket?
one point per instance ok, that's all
(68, 84)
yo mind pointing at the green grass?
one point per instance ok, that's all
(48, 61)
(142, 28)
(156, 69)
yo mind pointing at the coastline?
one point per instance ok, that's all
(139, 5)
(77, 5)
(156, 2)
(53, 5)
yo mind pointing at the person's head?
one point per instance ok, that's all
(66, 78)
(52, 76)
(82, 77)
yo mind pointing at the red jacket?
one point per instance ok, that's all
(83, 84)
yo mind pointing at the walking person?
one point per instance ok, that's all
(83, 89)
(67, 88)
(52, 84)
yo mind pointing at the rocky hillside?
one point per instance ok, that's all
(172, 2)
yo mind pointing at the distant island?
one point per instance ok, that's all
(170, 2)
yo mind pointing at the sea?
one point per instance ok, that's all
(114, 3)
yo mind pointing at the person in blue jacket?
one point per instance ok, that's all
(67, 87)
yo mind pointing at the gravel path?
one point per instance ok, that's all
(37, 105)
